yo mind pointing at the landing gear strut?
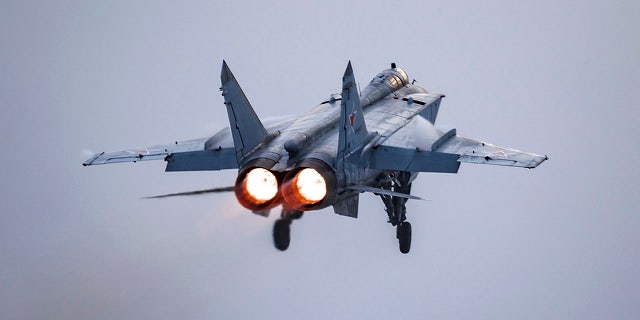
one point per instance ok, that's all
(282, 228)
(396, 208)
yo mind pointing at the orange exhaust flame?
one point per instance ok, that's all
(257, 190)
(307, 188)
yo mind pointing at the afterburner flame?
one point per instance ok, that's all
(311, 185)
(261, 185)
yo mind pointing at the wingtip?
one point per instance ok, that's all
(92, 160)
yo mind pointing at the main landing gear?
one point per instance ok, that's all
(282, 228)
(403, 233)
(396, 208)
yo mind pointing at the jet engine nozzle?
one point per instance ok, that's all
(256, 188)
(311, 185)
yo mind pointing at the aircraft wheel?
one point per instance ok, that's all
(282, 234)
(404, 237)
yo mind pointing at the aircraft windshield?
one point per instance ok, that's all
(383, 84)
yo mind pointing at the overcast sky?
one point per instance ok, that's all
(552, 77)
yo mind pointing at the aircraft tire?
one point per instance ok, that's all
(282, 234)
(404, 237)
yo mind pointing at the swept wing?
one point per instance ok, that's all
(214, 153)
(409, 141)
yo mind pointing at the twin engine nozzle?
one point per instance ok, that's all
(310, 185)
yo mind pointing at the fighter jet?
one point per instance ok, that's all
(376, 141)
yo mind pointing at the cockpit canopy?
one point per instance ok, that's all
(395, 78)
(383, 84)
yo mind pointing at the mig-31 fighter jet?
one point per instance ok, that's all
(377, 141)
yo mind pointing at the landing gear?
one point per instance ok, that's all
(396, 207)
(403, 233)
(282, 228)
(282, 234)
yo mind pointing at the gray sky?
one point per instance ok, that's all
(551, 77)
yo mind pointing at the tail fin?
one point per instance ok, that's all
(352, 137)
(353, 130)
(246, 128)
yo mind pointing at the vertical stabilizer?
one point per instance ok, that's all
(352, 135)
(246, 128)
(353, 131)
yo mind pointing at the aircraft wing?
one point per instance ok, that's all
(215, 153)
(420, 147)
(192, 155)
(472, 151)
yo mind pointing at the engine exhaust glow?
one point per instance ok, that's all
(311, 185)
(305, 190)
(261, 185)
(257, 189)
